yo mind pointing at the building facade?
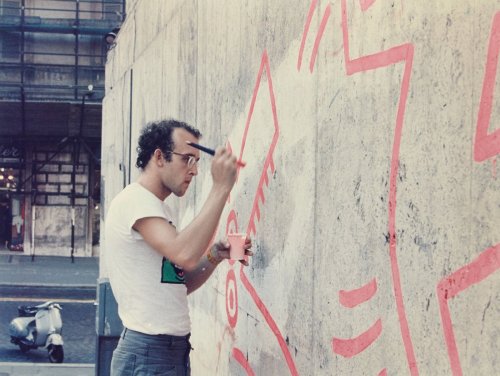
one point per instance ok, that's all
(52, 56)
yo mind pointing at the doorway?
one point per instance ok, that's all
(11, 210)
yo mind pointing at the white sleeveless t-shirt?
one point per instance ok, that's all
(150, 290)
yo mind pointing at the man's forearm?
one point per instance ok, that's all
(197, 277)
(199, 232)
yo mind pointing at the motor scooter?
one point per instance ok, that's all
(39, 326)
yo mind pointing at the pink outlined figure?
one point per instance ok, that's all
(483, 266)
(487, 145)
(403, 53)
(488, 262)
(255, 217)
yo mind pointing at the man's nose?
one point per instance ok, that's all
(194, 169)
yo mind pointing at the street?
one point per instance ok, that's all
(78, 315)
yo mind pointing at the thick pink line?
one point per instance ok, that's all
(365, 4)
(240, 358)
(252, 104)
(321, 30)
(484, 265)
(270, 321)
(352, 298)
(268, 163)
(306, 31)
(488, 145)
(255, 213)
(353, 346)
(383, 372)
(382, 59)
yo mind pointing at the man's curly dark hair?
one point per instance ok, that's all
(158, 135)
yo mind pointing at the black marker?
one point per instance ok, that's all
(211, 152)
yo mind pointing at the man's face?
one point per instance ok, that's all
(177, 174)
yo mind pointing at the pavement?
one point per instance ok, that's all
(19, 270)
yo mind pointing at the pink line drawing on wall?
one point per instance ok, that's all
(353, 346)
(310, 14)
(400, 54)
(484, 265)
(403, 53)
(487, 145)
(365, 4)
(255, 217)
(321, 30)
(240, 358)
(353, 298)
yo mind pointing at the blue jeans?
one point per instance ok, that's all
(139, 354)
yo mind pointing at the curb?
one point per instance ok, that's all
(43, 369)
(50, 285)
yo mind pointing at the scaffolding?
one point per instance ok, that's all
(52, 57)
(51, 50)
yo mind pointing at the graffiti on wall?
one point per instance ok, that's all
(486, 146)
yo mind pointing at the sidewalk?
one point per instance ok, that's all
(19, 270)
(40, 369)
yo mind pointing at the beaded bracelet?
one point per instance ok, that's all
(212, 259)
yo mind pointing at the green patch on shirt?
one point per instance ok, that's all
(171, 273)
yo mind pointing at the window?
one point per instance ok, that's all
(10, 8)
(10, 45)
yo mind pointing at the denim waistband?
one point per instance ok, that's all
(166, 337)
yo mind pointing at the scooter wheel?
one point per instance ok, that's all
(56, 353)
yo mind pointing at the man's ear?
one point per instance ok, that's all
(158, 157)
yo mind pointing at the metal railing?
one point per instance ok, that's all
(34, 65)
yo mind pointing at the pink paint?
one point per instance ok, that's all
(402, 53)
(268, 163)
(240, 358)
(352, 298)
(255, 216)
(321, 30)
(383, 372)
(259, 196)
(231, 298)
(487, 145)
(484, 265)
(365, 4)
(306, 31)
(351, 347)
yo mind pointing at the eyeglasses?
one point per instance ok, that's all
(189, 159)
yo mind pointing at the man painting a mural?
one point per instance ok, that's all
(152, 266)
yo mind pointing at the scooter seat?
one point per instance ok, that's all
(27, 311)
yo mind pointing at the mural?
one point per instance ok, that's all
(377, 122)
(486, 145)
